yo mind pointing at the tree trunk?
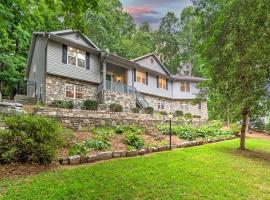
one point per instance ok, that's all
(243, 129)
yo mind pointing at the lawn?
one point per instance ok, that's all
(213, 171)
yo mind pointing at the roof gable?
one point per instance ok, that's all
(76, 37)
(151, 62)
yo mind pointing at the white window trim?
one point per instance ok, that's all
(76, 58)
(185, 83)
(141, 77)
(74, 91)
(160, 78)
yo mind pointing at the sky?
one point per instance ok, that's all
(153, 10)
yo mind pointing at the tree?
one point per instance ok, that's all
(166, 44)
(236, 48)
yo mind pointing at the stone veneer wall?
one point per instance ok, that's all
(127, 101)
(55, 89)
(173, 105)
(77, 119)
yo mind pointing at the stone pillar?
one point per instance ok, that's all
(104, 74)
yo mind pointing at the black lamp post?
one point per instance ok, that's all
(170, 117)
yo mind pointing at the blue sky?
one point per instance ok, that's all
(153, 10)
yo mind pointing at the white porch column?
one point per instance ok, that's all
(132, 79)
(104, 74)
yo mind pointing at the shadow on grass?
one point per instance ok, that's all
(253, 155)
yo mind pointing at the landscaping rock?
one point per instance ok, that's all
(119, 154)
(185, 144)
(142, 152)
(63, 161)
(105, 155)
(193, 143)
(84, 159)
(148, 150)
(92, 158)
(154, 149)
(178, 146)
(164, 148)
(132, 153)
(74, 160)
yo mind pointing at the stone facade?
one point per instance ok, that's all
(77, 119)
(127, 101)
(168, 105)
(55, 89)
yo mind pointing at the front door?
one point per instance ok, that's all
(108, 81)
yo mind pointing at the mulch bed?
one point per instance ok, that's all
(14, 170)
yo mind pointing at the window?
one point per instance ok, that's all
(199, 105)
(76, 57)
(140, 77)
(162, 83)
(78, 92)
(185, 87)
(69, 90)
(74, 91)
(184, 106)
(160, 105)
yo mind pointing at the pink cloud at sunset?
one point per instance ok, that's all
(139, 10)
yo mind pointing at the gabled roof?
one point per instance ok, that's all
(157, 59)
(68, 31)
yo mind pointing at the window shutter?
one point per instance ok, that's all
(146, 77)
(134, 74)
(166, 84)
(157, 82)
(87, 60)
(64, 54)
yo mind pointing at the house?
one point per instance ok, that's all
(66, 65)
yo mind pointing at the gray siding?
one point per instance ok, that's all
(146, 62)
(56, 67)
(73, 37)
(152, 88)
(38, 62)
(178, 94)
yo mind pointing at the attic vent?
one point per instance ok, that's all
(152, 60)
(77, 37)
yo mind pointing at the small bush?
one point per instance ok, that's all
(98, 144)
(78, 149)
(134, 140)
(234, 128)
(90, 105)
(135, 110)
(62, 104)
(188, 116)
(149, 110)
(116, 107)
(103, 131)
(30, 139)
(163, 113)
(179, 113)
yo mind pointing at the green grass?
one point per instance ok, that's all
(214, 171)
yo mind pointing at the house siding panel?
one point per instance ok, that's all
(146, 62)
(74, 38)
(56, 67)
(39, 63)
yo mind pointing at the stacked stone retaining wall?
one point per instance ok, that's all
(83, 119)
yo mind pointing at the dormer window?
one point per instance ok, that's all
(185, 87)
(76, 57)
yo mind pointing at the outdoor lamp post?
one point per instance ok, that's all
(170, 117)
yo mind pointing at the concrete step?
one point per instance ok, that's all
(25, 99)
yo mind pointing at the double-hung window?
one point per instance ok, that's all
(76, 57)
(185, 87)
(160, 105)
(74, 91)
(162, 83)
(140, 77)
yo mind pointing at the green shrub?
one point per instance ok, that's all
(234, 128)
(90, 105)
(116, 107)
(129, 129)
(188, 115)
(163, 113)
(78, 149)
(268, 125)
(30, 139)
(135, 110)
(179, 113)
(62, 104)
(149, 110)
(134, 140)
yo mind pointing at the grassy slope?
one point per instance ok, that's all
(214, 171)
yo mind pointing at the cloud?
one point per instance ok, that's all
(140, 10)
